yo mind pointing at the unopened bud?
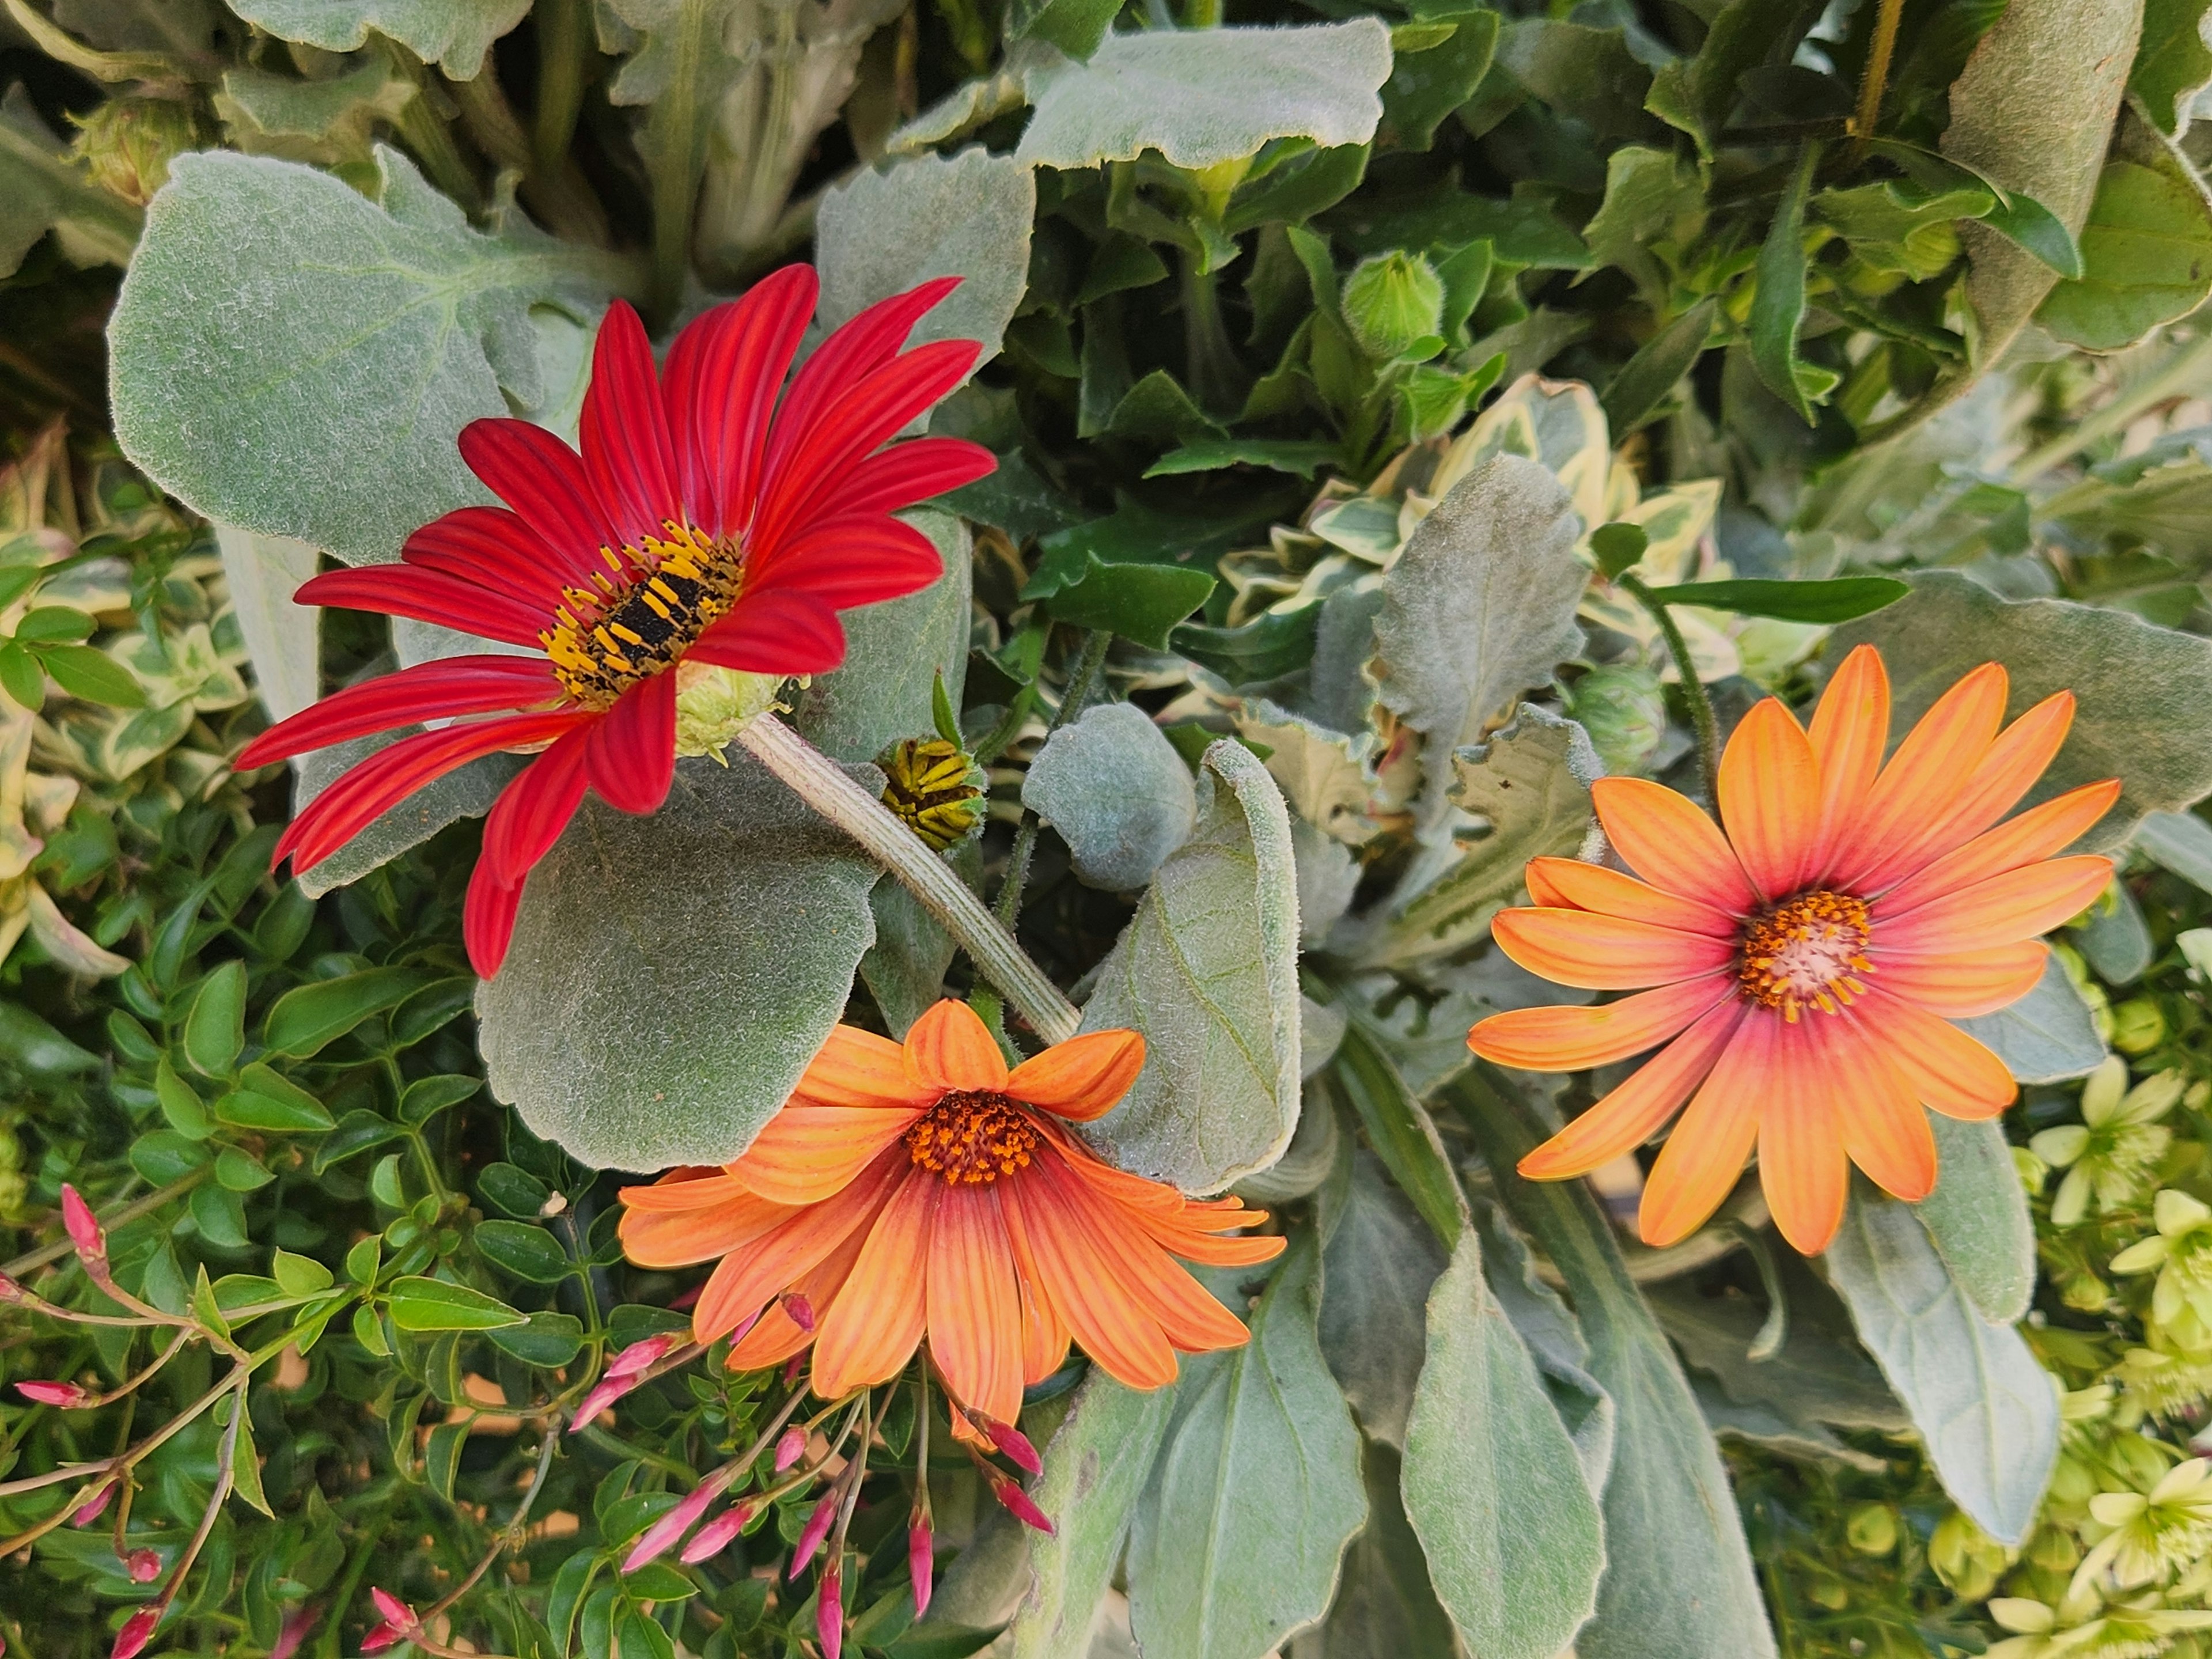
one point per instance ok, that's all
(95, 1506)
(67, 1395)
(920, 1564)
(84, 1229)
(391, 1609)
(1013, 1443)
(143, 1566)
(829, 1608)
(790, 1447)
(935, 788)
(800, 1311)
(660, 1537)
(1624, 711)
(2138, 1026)
(1008, 1490)
(137, 1631)
(603, 1395)
(1872, 1530)
(717, 1534)
(128, 143)
(10, 1292)
(817, 1529)
(1394, 302)
(639, 1356)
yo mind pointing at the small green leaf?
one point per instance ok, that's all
(1140, 602)
(357, 1131)
(1644, 381)
(368, 1331)
(433, 1304)
(164, 1156)
(1618, 547)
(220, 1215)
(299, 1275)
(1840, 599)
(515, 1190)
(240, 1170)
(363, 1258)
(307, 1019)
(91, 675)
(549, 1340)
(180, 1103)
(18, 579)
(2147, 250)
(442, 1458)
(246, 1463)
(427, 1097)
(1778, 306)
(525, 1251)
(215, 1030)
(206, 1308)
(53, 623)
(21, 677)
(2022, 219)
(942, 714)
(249, 1109)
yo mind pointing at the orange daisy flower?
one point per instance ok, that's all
(1807, 963)
(923, 1189)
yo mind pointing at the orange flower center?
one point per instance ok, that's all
(648, 608)
(971, 1136)
(1806, 951)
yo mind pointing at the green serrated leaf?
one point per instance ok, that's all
(1777, 305)
(2146, 256)
(1140, 602)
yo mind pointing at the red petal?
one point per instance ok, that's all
(774, 632)
(543, 480)
(493, 546)
(633, 746)
(845, 562)
(429, 690)
(910, 472)
(431, 596)
(722, 376)
(853, 352)
(531, 813)
(624, 431)
(488, 918)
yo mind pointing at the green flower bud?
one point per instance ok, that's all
(1872, 1530)
(1391, 301)
(2138, 1026)
(1964, 1557)
(1624, 714)
(128, 143)
(935, 787)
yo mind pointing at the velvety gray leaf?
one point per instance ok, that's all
(1978, 1218)
(1987, 1413)
(454, 35)
(1310, 1160)
(1203, 96)
(1385, 1604)
(1115, 788)
(1207, 970)
(894, 652)
(1949, 624)
(282, 638)
(1237, 1540)
(904, 969)
(1095, 1468)
(1759, 1426)
(672, 975)
(261, 410)
(1328, 878)
(2046, 1036)
(1480, 607)
(1376, 1269)
(2179, 841)
(966, 215)
(1493, 1484)
(2116, 941)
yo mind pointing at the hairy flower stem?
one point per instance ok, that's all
(1875, 80)
(825, 785)
(1079, 683)
(1694, 688)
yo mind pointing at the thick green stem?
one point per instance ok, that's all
(1694, 688)
(564, 46)
(825, 787)
(1216, 377)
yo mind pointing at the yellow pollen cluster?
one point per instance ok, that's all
(931, 785)
(642, 613)
(972, 1138)
(1805, 952)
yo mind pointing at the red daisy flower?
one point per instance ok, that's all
(705, 523)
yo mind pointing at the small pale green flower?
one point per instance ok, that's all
(2109, 1156)
(2166, 1384)
(2154, 1534)
(2181, 1251)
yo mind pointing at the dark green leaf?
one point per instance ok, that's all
(433, 1304)
(944, 1642)
(249, 1109)
(1778, 307)
(549, 1340)
(53, 623)
(520, 1249)
(1279, 455)
(2147, 254)
(240, 1170)
(93, 675)
(1427, 85)
(512, 1189)
(1399, 1129)
(357, 1131)
(1644, 381)
(1272, 644)
(215, 1030)
(164, 1156)
(2025, 221)
(21, 677)
(1140, 602)
(431, 1009)
(427, 1097)
(180, 1103)
(1618, 546)
(306, 1020)
(1837, 601)
(220, 1214)
(2172, 64)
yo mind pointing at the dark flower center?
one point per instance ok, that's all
(972, 1137)
(641, 618)
(1806, 951)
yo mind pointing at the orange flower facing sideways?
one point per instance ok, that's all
(1807, 955)
(924, 1190)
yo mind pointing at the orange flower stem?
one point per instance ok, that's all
(829, 790)
(1694, 688)
(1875, 80)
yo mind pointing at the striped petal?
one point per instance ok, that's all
(1849, 734)
(1769, 798)
(1605, 953)
(674, 1224)
(431, 596)
(632, 757)
(1635, 1111)
(544, 481)
(1885, 1130)
(1706, 1150)
(1802, 1166)
(1666, 838)
(1571, 884)
(1951, 1073)
(1927, 776)
(2013, 763)
(854, 1067)
(722, 377)
(1576, 1039)
(430, 691)
(913, 471)
(2035, 835)
(781, 631)
(531, 813)
(781, 1256)
(975, 1305)
(1122, 1338)
(623, 430)
(1081, 1079)
(2001, 910)
(950, 1048)
(1966, 984)
(491, 545)
(806, 1153)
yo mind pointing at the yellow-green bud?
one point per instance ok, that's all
(1829, 1591)
(1391, 301)
(1964, 1557)
(1625, 713)
(934, 788)
(2138, 1026)
(128, 143)
(1872, 1530)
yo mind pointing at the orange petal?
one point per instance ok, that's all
(950, 1048)
(1802, 1165)
(1569, 883)
(1884, 1127)
(808, 1152)
(1605, 953)
(1969, 983)
(1632, 1113)
(1927, 775)
(2017, 758)
(1769, 798)
(2033, 836)
(1213, 1248)
(1849, 734)
(877, 1321)
(2001, 910)
(975, 1306)
(1132, 1191)
(1666, 838)
(859, 1068)
(775, 1336)
(1082, 1078)
(1126, 1342)
(1698, 1165)
(669, 1194)
(779, 1258)
(669, 1238)
(1576, 1039)
(1188, 1315)
(1045, 1335)
(1952, 1072)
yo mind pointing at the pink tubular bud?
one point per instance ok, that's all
(138, 1629)
(829, 1609)
(67, 1395)
(689, 1299)
(95, 1506)
(604, 1395)
(660, 1537)
(383, 1637)
(920, 1564)
(1013, 1443)
(394, 1611)
(1008, 1490)
(818, 1528)
(792, 1368)
(800, 1311)
(716, 1535)
(84, 1229)
(639, 1356)
(293, 1631)
(143, 1566)
(790, 1447)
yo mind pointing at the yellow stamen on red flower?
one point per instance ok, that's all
(1805, 952)
(972, 1138)
(663, 594)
